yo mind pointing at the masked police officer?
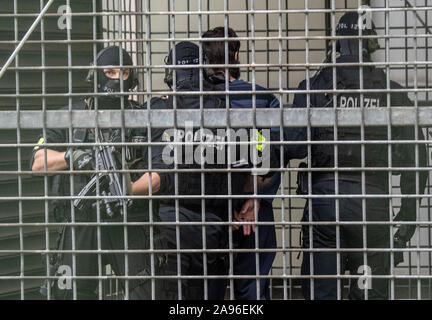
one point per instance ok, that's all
(192, 181)
(355, 157)
(83, 158)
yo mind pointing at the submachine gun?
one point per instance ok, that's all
(110, 181)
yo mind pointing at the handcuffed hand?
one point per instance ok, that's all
(246, 214)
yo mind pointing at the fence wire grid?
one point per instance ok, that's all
(47, 48)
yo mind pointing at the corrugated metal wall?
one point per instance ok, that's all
(30, 82)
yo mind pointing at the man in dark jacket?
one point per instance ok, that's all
(180, 172)
(245, 262)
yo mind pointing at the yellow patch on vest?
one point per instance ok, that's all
(258, 137)
(41, 141)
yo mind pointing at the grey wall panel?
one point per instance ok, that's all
(30, 81)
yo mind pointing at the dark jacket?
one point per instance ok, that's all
(216, 183)
(375, 155)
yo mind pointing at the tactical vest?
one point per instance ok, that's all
(349, 155)
(60, 184)
(196, 181)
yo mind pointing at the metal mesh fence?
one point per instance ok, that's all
(46, 48)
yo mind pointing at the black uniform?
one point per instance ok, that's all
(350, 182)
(111, 237)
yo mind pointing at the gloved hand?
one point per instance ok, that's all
(398, 256)
(81, 160)
(400, 240)
(404, 233)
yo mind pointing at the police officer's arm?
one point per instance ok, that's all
(404, 155)
(158, 180)
(59, 158)
(55, 160)
(294, 151)
(55, 157)
(142, 185)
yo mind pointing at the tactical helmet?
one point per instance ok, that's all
(186, 53)
(349, 26)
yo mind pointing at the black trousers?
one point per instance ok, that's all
(192, 263)
(351, 236)
(93, 263)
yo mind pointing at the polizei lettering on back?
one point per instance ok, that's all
(355, 102)
(204, 146)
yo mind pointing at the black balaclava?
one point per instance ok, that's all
(349, 26)
(111, 56)
(186, 53)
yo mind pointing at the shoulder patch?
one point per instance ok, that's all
(258, 137)
(41, 141)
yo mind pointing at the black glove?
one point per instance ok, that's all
(81, 160)
(404, 233)
(399, 244)
(302, 180)
(400, 240)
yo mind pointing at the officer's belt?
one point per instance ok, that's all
(378, 180)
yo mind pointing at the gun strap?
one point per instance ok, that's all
(61, 243)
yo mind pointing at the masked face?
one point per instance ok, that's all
(108, 79)
(112, 80)
(115, 73)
